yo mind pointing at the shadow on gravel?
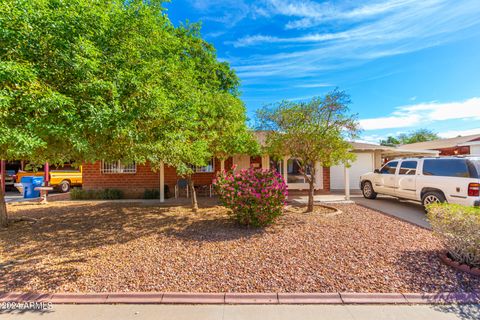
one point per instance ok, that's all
(463, 311)
(425, 272)
(51, 250)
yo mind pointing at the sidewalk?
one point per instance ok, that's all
(251, 312)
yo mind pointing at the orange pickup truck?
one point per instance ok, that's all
(62, 179)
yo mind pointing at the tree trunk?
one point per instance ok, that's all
(311, 193)
(3, 210)
(193, 194)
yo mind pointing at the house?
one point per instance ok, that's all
(134, 179)
(448, 147)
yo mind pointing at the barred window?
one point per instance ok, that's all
(204, 169)
(118, 167)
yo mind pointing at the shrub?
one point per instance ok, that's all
(105, 194)
(155, 193)
(111, 194)
(255, 196)
(151, 194)
(459, 229)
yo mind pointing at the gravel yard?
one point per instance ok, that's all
(98, 247)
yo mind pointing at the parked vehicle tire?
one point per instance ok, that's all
(367, 190)
(432, 197)
(65, 186)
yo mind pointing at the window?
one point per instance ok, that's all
(277, 165)
(474, 167)
(389, 168)
(408, 168)
(446, 168)
(118, 167)
(204, 169)
(294, 172)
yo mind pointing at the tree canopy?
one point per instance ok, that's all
(112, 80)
(312, 131)
(420, 135)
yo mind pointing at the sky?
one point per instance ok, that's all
(406, 64)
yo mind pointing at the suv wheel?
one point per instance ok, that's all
(432, 197)
(65, 186)
(367, 190)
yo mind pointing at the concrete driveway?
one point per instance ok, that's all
(406, 210)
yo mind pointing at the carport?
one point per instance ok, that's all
(369, 158)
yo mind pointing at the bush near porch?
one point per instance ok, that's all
(459, 228)
(255, 196)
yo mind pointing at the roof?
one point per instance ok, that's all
(261, 137)
(368, 146)
(441, 143)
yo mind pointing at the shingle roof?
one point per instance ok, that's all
(441, 143)
(261, 137)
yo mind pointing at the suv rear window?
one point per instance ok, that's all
(474, 166)
(446, 168)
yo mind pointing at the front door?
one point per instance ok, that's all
(385, 180)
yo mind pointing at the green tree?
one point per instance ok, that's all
(420, 135)
(112, 80)
(313, 131)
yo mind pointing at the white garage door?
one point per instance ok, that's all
(475, 150)
(363, 164)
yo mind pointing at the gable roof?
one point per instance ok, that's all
(441, 143)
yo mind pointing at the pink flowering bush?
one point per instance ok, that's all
(255, 196)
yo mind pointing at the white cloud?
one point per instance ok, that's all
(423, 113)
(456, 133)
(401, 27)
(256, 39)
(314, 85)
(390, 122)
(310, 13)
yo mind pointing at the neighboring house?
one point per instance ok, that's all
(134, 179)
(448, 147)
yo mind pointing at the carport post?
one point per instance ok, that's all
(162, 182)
(347, 183)
(3, 174)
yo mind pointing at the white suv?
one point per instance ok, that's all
(429, 180)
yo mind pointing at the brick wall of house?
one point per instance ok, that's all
(326, 178)
(454, 151)
(134, 184)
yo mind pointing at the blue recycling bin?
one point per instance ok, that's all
(29, 185)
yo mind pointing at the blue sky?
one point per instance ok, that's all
(407, 64)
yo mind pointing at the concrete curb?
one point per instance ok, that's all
(242, 298)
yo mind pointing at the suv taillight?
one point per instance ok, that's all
(474, 189)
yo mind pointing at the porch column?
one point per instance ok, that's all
(162, 182)
(222, 164)
(3, 174)
(266, 161)
(285, 169)
(347, 183)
